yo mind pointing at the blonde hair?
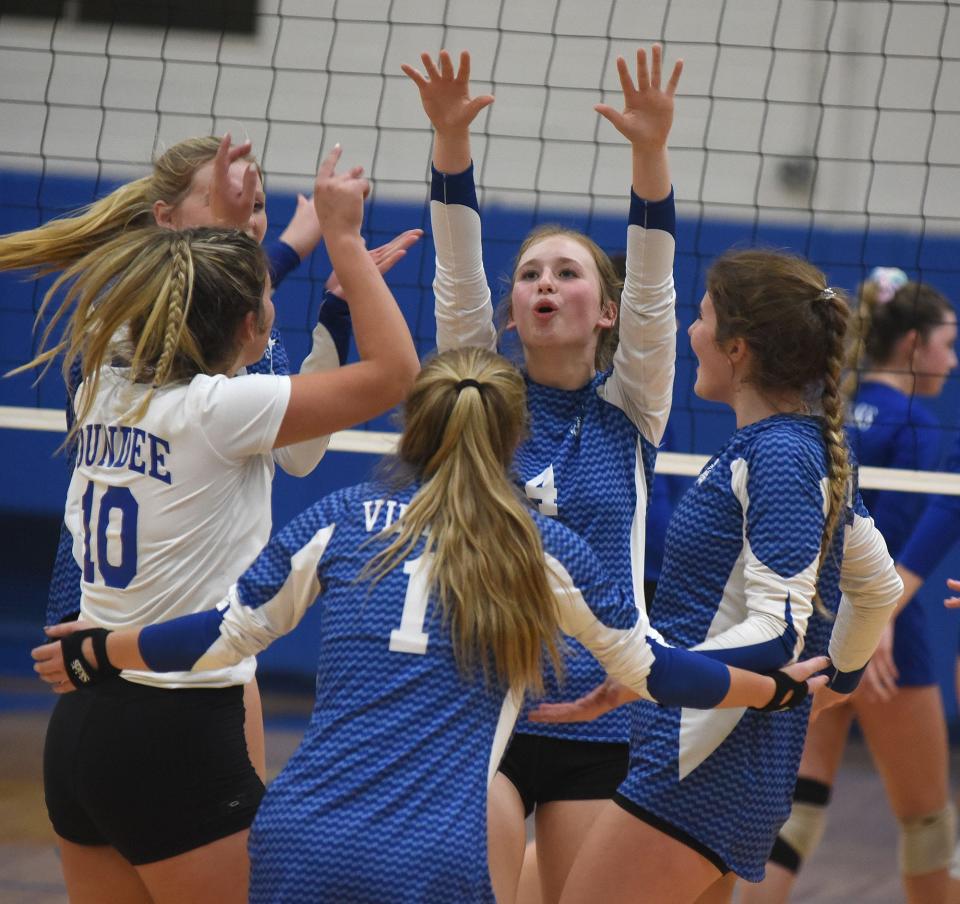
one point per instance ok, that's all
(487, 562)
(611, 285)
(62, 241)
(167, 304)
(796, 334)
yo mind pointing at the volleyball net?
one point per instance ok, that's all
(823, 127)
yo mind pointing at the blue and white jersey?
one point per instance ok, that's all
(738, 585)
(166, 512)
(330, 340)
(385, 799)
(590, 454)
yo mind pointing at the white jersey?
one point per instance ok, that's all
(166, 513)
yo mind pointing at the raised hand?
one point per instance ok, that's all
(647, 108)
(384, 256)
(232, 195)
(446, 95)
(338, 197)
(447, 102)
(303, 231)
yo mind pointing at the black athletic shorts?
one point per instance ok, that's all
(668, 828)
(545, 769)
(150, 771)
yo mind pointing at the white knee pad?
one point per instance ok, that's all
(926, 844)
(955, 862)
(804, 828)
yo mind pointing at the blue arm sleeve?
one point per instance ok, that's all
(335, 316)
(681, 678)
(282, 259)
(175, 645)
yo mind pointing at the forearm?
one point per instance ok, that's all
(451, 150)
(747, 689)
(912, 582)
(651, 173)
(645, 360)
(380, 329)
(123, 649)
(463, 306)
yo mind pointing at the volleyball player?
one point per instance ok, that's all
(904, 351)
(439, 592)
(597, 412)
(772, 528)
(202, 181)
(169, 502)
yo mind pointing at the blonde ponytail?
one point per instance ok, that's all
(57, 244)
(463, 420)
(168, 305)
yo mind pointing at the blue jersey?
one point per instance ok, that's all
(938, 529)
(590, 454)
(63, 599)
(385, 799)
(738, 584)
(890, 429)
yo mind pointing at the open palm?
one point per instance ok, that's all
(445, 94)
(647, 107)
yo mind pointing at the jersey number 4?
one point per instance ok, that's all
(542, 490)
(116, 519)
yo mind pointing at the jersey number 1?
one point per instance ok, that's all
(410, 636)
(121, 500)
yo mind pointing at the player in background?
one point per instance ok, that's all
(773, 529)
(903, 353)
(598, 408)
(440, 595)
(169, 503)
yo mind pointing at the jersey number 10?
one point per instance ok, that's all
(115, 499)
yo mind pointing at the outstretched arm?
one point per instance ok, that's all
(464, 312)
(644, 364)
(323, 403)
(268, 600)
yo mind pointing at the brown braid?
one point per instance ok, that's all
(796, 332)
(833, 311)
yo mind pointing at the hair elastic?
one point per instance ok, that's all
(826, 294)
(888, 281)
(463, 384)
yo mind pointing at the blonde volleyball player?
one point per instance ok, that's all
(169, 502)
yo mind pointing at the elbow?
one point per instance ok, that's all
(403, 380)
